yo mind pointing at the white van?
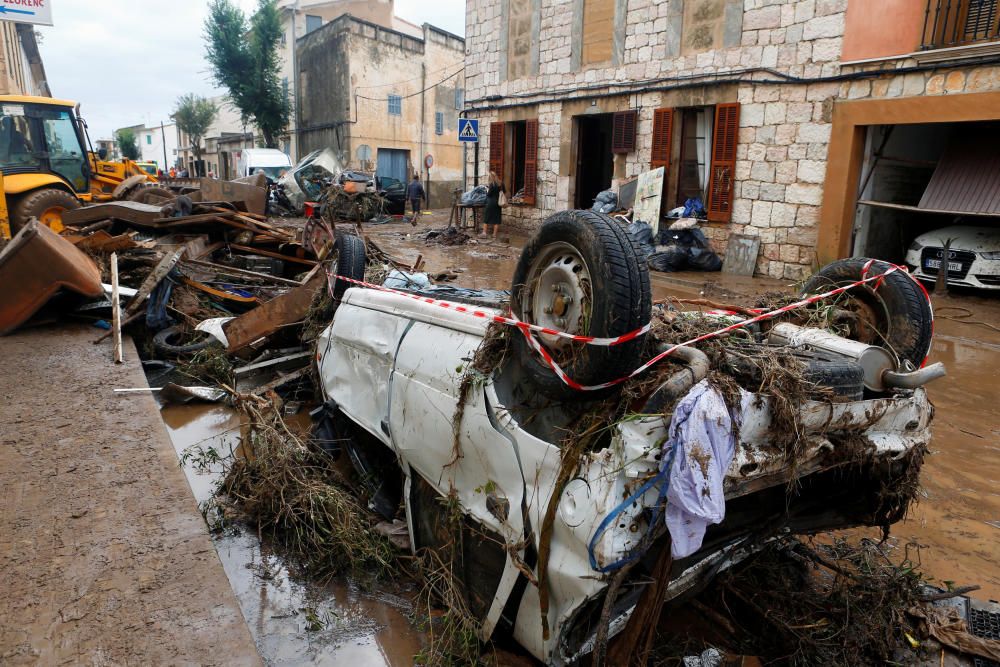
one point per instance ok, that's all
(271, 161)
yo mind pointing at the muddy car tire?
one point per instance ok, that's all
(164, 342)
(580, 256)
(845, 378)
(897, 315)
(351, 262)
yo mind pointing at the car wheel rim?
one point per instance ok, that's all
(558, 293)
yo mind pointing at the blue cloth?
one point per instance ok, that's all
(704, 434)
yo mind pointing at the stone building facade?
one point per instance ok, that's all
(384, 100)
(775, 70)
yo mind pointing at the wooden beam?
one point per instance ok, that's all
(164, 267)
(116, 312)
(275, 255)
(242, 273)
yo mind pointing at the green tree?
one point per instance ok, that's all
(243, 55)
(127, 143)
(194, 115)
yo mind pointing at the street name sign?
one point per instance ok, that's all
(38, 12)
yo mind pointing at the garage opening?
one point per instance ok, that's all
(929, 196)
(393, 165)
(595, 163)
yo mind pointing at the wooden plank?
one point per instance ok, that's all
(263, 321)
(275, 255)
(165, 265)
(280, 380)
(242, 273)
(116, 312)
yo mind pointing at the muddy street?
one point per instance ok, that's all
(957, 520)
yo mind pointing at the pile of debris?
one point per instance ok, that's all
(204, 280)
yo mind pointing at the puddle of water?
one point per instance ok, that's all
(292, 622)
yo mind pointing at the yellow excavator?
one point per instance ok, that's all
(48, 165)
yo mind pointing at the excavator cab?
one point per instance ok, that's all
(48, 167)
(43, 159)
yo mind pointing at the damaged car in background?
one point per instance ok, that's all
(583, 485)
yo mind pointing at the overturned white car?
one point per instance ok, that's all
(689, 462)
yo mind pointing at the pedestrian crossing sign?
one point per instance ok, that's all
(468, 129)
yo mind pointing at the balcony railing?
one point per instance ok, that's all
(950, 23)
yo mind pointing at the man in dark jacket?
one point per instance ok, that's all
(415, 193)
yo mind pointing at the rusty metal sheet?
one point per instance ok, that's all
(35, 265)
(967, 178)
(290, 307)
(254, 198)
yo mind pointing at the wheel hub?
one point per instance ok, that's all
(52, 218)
(559, 288)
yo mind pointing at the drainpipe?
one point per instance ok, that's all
(423, 116)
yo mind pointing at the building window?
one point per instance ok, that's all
(697, 148)
(149, 140)
(598, 31)
(313, 23)
(395, 105)
(514, 158)
(439, 123)
(960, 22)
(459, 99)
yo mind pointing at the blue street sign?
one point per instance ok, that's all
(39, 14)
(468, 130)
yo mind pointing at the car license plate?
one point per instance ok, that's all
(955, 267)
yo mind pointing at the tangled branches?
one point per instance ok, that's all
(288, 487)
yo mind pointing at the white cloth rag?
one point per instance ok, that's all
(703, 431)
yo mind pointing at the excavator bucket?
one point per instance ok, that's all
(35, 265)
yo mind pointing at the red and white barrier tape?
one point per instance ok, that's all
(527, 329)
(511, 321)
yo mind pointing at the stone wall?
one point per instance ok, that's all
(675, 47)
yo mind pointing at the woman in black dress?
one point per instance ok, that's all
(491, 216)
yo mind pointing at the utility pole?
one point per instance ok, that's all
(295, 84)
(163, 138)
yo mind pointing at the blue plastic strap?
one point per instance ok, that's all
(662, 476)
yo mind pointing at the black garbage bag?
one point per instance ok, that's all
(475, 197)
(642, 236)
(686, 238)
(605, 202)
(702, 259)
(672, 258)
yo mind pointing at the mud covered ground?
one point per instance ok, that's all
(104, 558)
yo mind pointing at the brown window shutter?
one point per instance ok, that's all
(496, 149)
(663, 137)
(720, 184)
(530, 161)
(623, 131)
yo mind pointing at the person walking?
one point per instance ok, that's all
(173, 172)
(415, 193)
(492, 213)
